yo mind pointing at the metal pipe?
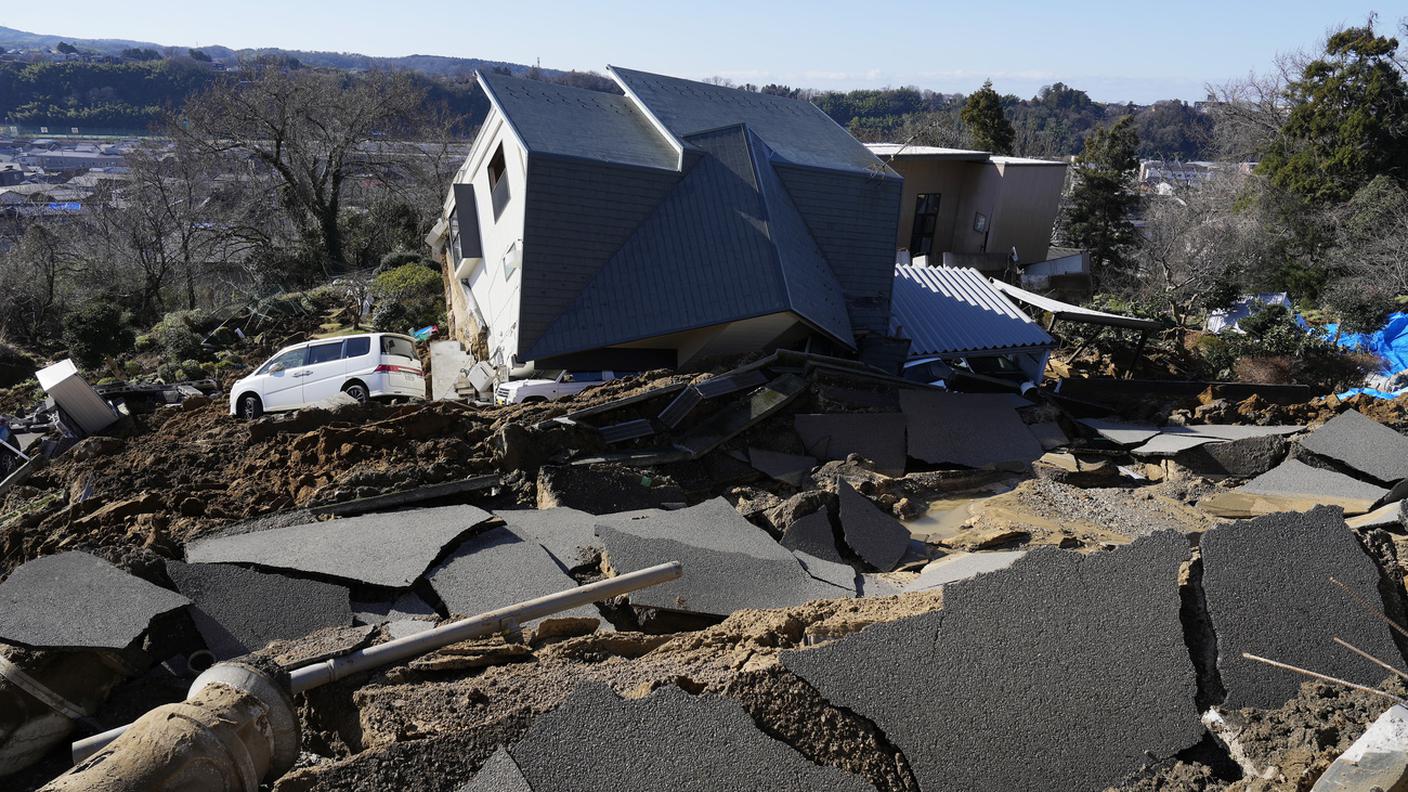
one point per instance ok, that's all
(495, 621)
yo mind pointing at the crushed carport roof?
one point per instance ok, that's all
(949, 310)
(1074, 313)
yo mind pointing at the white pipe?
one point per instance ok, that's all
(495, 621)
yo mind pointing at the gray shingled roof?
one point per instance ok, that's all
(572, 122)
(797, 130)
(949, 310)
(726, 244)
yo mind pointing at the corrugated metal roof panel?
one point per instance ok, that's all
(951, 310)
(1076, 313)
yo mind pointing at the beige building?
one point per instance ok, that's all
(974, 206)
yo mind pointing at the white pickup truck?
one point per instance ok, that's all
(540, 390)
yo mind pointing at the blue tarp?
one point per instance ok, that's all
(1389, 342)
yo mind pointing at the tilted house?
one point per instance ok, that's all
(677, 222)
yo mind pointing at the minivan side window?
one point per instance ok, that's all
(391, 345)
(290, 359)
(324, 353)
(356, 347)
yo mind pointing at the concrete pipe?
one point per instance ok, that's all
(237, 728)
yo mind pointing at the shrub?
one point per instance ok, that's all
(178, 335)
(408, 296)
(96, 331)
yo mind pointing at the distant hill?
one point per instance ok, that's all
(434, 65)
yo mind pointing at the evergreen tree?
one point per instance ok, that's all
(1096, 215)
(1348, 120)
(987, 124)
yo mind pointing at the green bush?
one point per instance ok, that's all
(179, 335)
(406, 297)
(96, 331)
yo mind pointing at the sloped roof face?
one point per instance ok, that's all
(796, 130)
(724, 245)
(556, 119)
(953, 310)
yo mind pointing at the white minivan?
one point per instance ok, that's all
(365, 366)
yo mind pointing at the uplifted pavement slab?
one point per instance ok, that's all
(498, 568)
(239, 610)
(406, 606)
(1295, 486)
(1232, 431)
(962, 566)
(729, 563)
(788, 468)
(668, 741)
(814, 536)
(1059, 650)
(1049, 434)
(875, 536)
(973, 429)
(1363, 444)
(1165, 445)
(878, 437)
(1120, 432)
(836, 573)
(565, 532)
(1268, 591)
(390, 549)
(77, 600)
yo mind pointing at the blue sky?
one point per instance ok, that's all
(1133, 50)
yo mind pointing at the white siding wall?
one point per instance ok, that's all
(495, 292)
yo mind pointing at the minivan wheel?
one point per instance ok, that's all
(357, 391)
(250, 407)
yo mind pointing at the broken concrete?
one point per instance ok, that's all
(788, 468)
(875, 536)
(239, 610)
(814, 536)
(1377, 760)
(74, 600)
(498, 568)
(879, 437)
(1268, 591)
(1059, 650)
(1294, 486)
(604, 488)
(564, 532)
(668, 741)
(729, 563)
(962, 566)
(973, 429)
(1363, 444)
(390, 550)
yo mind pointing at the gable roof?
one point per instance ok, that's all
(726, 244)
(572, 122)
(952, 310)
(796, 130)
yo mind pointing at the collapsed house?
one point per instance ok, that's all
(679, 222)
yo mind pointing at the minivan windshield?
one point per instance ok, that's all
(394, 345)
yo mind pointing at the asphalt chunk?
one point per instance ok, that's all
(879, 539)
(1363, 444)
(878, 437)
(972, 429)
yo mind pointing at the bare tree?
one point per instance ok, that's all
(307, 128)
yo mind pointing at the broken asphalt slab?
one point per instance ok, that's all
(972, 429)
(814, 536)
(566, 533)
(498, 568)
(1268, 591)
(837, 574)
(1121, 433)
(878, 437)
(729, 563)
(239, 610)
(668, 741)
(962, 566)
(1060, 649)
(1294, 486)
(879, 539)
(390, 549)
(788, 468)
(74, 600)
(1362, 444)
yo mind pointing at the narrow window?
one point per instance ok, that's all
(926, 219)
(498, 181)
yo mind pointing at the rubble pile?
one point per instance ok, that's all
(867, 561)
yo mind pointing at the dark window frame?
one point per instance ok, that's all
(926, 223)
(308, 359)
(366, 344)
(497, 170)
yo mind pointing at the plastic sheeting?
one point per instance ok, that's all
(1221, 321)
(1389, 342)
